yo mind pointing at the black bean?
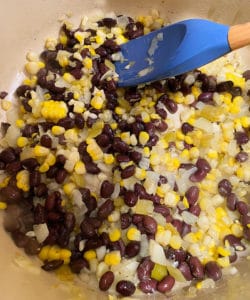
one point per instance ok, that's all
(93, 243)
(118, 245)
(236, 91)
(209, 83)
(224, 187)
(148, 286)
(224, 86)
(49, 57)
(105, 209)
(32, 247)
(125, 220)
(39, 214)
(232, 199)
(52, 265)
(185, 270)
(13, 167)
(242, 207)
(60, 176)
(233, 257)
(79, 121)
(125, 287)
(161, 112)
(171, 106)
(107, 188)
(186, 228)
(50, 202)
(246, 233)
(46, 141)
(162, 209)
(153, 141)
(198, 176)
(186, 127)
(196, 267)
(178, 224)
(241, 137)
(178, 255)
(241, 156)
(186, 166)
(8, 155)
(174, 84)
(166, 284)
(3, 94)
(111, 45)
(213, 270)
(137, 127)
(145, 268)
(206, 97)
(202, 164)
(51, 173)
(132, 249)
(128, 172)
(29, 130)
(106, 280)
(30, 163)
(10, 194)
(246, 74)
(60, 159)
(20, 239)
(195, 209)
(103, 140)
(120, 146)
(233, 241)
(69, 221)
(34, 178)
(92, 168)
(23, 90)
(161, 126)
(109, 22)
(192, 194)
(87, 229)
(149, 224)
(66, 123)
(130, 198)
(94, 221)
(78, 264)
(41, 190)
(54, 216)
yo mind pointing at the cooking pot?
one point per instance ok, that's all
(24, 27)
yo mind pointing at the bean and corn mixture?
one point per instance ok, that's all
(145, 187)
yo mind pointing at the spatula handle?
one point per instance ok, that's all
(239, 36)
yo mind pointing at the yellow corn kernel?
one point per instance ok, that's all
(20, 123)
(175, 242)
(6, 105)
(87, 62)
(196, 91)
(180, 135)
(223, 261)
(143, 137)
(119, 110)
(94, 150)
(146, 151)
(80, 168)
(43, 254)
(79, 36)
(112, 258)
(237, 230)
(108, 158)
(194, 152)
(212, 154)
(68, 77)
(115, 234)
(5, 182)
(63, 38)
(160, 191)
(220, 213)
(54, 253)
(159, 272)
(71, 135)
(237, 80)
(54, 110)
(32, 67)
(22, 141)
(120, 39)
(155, 159)
(185, 202)
(185, 154)
(50, 159)
(3, 205)
(133, 234)
(97, 102)
(40, 151)
(44, 168)
(68, 188)
(90, 254)
(140, 174)
(240, 173)
(65, 254)
(114, 125)
(245, 121)
(22, 178)
(114, 216)
(57, 130)
(125, 137)
(176, 163)
(188, 139)
(223, 252)
(199, 285)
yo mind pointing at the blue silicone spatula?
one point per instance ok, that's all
(176, 49)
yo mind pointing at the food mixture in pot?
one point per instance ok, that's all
(145, 187)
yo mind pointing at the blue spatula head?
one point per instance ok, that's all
(171, 50)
